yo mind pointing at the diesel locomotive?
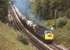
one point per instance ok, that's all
(45, 34)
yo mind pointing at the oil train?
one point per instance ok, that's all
(39, 31)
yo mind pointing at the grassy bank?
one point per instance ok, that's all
(8, 39)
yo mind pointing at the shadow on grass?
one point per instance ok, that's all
(24, 40)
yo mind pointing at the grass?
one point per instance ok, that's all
(8, 39)
(62, 34)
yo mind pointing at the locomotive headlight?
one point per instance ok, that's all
(49, 36)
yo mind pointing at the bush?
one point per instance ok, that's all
(23, 39)
(61, 22)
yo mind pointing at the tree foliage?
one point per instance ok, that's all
(3, 9)
(61, 22)
(46, 8)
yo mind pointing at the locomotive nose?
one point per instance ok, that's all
(49, 36)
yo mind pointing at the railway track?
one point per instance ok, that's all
(34, 40)
(55, 47)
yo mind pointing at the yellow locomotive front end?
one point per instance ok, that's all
(49, 36)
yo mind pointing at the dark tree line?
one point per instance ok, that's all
(4, 9)
(47, 8)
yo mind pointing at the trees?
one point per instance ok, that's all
(46, 8)
(3, 9)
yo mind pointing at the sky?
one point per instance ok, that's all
(23, 6)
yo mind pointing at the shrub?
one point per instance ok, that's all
(61, 22)
(23, 39)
